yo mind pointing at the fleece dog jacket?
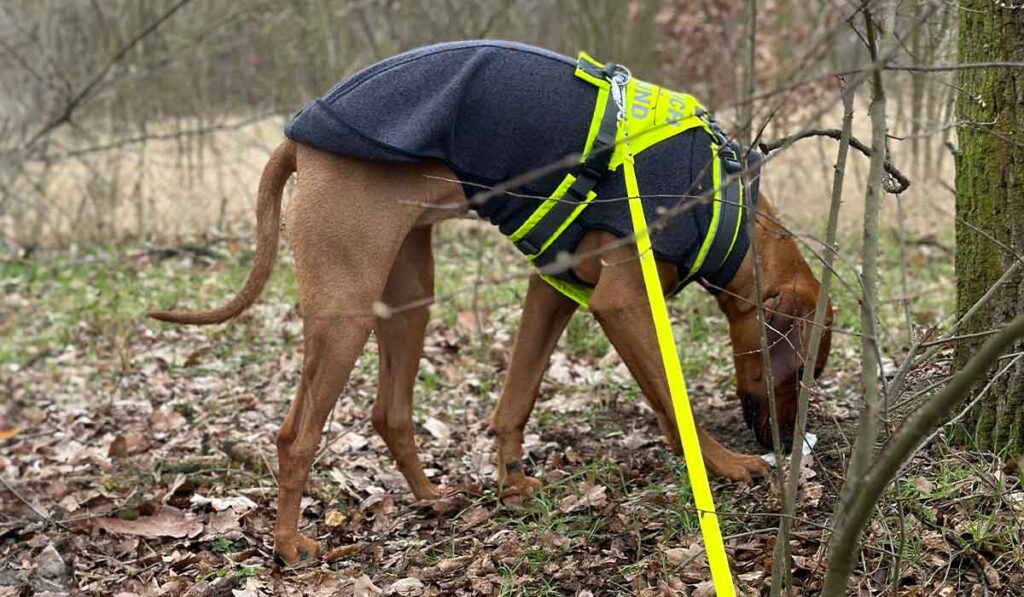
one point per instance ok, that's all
(494, 110)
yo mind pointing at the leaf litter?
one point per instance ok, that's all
(147, 468)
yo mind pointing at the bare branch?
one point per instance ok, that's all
(96, 79)
(867, 430)
(901, 447)
(814, 342)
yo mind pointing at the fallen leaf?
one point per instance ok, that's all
(196, 356)
(593, 497)
(364, 587)
(351, 441)
(991, 574)
(335, 519)
(805, 563)
(445, 506)
(238, 504)
(167, 521)
(438, 429)
(344, 551)
(161, 420)
(9, 433)
(934, 541)
(677, 556)
(407, 587)
(450, 565)
(222, 523)
(118, 448)
(810, 494)
(475, 516)
(923, 485)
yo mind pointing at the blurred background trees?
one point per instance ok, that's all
(115, 115)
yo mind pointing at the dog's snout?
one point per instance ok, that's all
(764, 436)
(749, 408)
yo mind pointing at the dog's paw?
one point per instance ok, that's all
(448, 502)
(520, 490)
(292, 548)
(740, 468)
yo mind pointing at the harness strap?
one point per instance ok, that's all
(591, 171)
(656, 114)
(714, 546)
(727, 214)
(593, 68)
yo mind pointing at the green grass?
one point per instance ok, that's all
(94, 299)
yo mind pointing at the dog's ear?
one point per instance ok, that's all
(788, 315)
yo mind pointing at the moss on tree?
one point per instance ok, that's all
(990, 198)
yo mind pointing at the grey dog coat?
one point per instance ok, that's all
(493, 110)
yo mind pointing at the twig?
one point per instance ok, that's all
(867, 429)
(138, 139)
(901, 447)
(898, 185)
(42, 515)
(814, 342)
(766, 364)
(83, 93)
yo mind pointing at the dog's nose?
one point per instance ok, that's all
(749, 411)
(764, 437)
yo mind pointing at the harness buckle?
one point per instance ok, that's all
(730, 162)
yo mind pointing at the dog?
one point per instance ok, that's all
(360, 226)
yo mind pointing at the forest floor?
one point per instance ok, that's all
(138, 458)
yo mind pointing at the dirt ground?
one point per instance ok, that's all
(138, 459)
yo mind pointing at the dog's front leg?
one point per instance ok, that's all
(546, 312)
(621, 308)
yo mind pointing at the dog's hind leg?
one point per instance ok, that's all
(620, 305)
(400, 341)
(545, 315)
(331, 347)
(346, 226)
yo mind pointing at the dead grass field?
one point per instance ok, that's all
(166, 189)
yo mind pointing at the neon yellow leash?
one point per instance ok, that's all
(714, 546)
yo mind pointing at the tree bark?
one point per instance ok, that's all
(990, 201)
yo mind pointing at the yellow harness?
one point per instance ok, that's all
(654, 114)
(647, 115)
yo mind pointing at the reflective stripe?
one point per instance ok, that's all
(557, 212)
(739, 222)
(580, 294)
(716, 204)
(595, 121)
(726, 219)
(728, 210)
(565, 223)
(543, 209)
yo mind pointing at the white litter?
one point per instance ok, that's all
(809, 440)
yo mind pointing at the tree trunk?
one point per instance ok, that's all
(990, 198)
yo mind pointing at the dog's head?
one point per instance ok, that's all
(789, 315)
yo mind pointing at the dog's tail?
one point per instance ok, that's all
(268, 223)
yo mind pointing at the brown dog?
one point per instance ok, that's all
(356, 243)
